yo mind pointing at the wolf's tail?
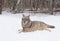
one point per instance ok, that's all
(51, 26)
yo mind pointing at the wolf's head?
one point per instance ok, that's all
(26, 21)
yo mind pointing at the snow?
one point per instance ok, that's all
(10, 23)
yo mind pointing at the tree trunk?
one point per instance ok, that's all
(14, 5)
(51, 7)
(0, 6)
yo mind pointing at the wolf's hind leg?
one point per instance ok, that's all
(48, 29)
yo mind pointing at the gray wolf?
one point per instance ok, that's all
(30, 26)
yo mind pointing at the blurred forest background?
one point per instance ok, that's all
(35, 6)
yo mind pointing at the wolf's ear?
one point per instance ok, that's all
(23, 15)
(28, 15)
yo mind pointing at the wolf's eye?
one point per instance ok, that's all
(24, 21)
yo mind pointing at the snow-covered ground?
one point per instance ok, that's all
(10, 23)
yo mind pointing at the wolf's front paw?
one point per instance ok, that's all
(20, 30)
